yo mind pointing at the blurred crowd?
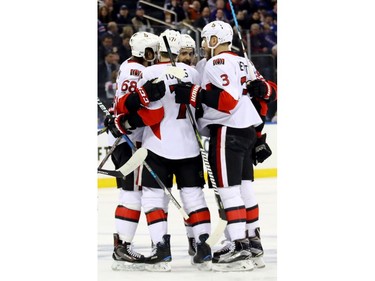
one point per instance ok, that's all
(118, 20)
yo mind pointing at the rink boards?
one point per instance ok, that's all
(263, 170)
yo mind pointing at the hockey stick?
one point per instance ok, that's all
(253, 75)
(102, 130)
(113, 147)
(177, 72)
(219, 230)
(135, 160)
(133, 163)
(157, 179)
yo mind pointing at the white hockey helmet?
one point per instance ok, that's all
(187, 41)
(174, 40)
(142, 40)
(222, 30)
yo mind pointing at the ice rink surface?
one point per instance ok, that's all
(181, 268)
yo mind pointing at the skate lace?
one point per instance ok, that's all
(153, 250)
(229, 246)
(132, 252)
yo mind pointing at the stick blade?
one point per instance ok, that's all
(215, 235)
(134, 162)
(177, 72)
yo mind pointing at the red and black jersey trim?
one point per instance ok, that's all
(218, 99)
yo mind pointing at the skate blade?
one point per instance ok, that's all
(244, 265)
(258, 262)
(204, 266)
(127, 266)
(159, 267)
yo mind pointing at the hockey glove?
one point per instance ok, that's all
(188, 93)
(108, 118)
(259, 89)
(151, 91)
(261, 150)
(116, 125)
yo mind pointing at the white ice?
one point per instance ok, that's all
(181, 268)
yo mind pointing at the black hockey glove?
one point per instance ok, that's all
(116, 125)
(259, 89)
(188, 93)
(151, 91)
(261, 150)
(108, 118)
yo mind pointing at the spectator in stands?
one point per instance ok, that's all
(242, 20)
(247, 5)
(175, 6)
(123, 17)
(112, 30)
(105, 46)
(204, 19)
(111, 10)
(220, 5)
(106, 71)
(273, 12)
(220, 15)
(195, 10)
(268, 19)
(139, 21)
(211, 4)
(185, 8)
(255, 18)
(204, 3)
(104, 15)
(258, 44)
(127, 31)
(101, 29)
(269, 37)
(125, 51)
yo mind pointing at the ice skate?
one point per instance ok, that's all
(160, 257)
(257, 249)
(202, 258)
(228, 246)
(191, 250)
(125, 259)
(238, 258)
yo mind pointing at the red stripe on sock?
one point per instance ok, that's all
(252, 213)
(155, 216)
(127, 214)
(199, 216)
(236, 213)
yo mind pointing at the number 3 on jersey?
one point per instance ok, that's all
(225, 79)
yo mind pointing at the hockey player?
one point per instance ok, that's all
(230, 116)
(173, 151)
(186, 55)
(127, 108)
(187, 51)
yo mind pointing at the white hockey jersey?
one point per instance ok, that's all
(229, 72)
(128, 75)
(200, 66)
(173, 137)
